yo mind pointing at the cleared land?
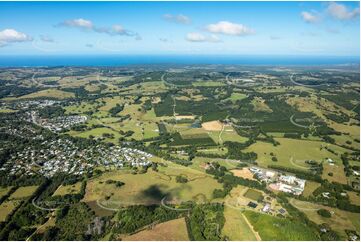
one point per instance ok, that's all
(212, 126)
(151, 187)
(173, 230)
(293, 153)
(6, 208)
(69, 189)
(310, 187)
(339, 221)
(274, 228)
(235, 226)
(23, 192)
(253, 194)
(244, 173)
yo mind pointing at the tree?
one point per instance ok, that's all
(324, 213)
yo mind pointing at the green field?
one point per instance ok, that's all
(6, 208)
(68, 189)
(274, 228)
(252, 194)
(310, 187)
(23, 192)
(292, 152)
(4, 191)
(339, 221)
(235, 227)
(151, 187)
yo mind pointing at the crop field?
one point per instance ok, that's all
(173, 230)
(274, 228)
(151, 187)
(235, 227)
(68, 189)
(23, 192)
(252, 194)
(339, 221)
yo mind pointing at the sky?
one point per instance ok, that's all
(180, 28)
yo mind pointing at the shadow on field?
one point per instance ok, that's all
(154, 193)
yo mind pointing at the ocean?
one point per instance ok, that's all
(124, 60)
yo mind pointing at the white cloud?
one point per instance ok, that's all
(180, 18)
(79, 23)
(88, 25)
(310, 17)
(341, 12)
(274, 37)
(229, 28)
(8, 36)
(46, 38)
(198, 37)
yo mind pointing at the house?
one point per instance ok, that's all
(252, 205)
(266, 208)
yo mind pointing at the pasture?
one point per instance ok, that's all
(7, 207)
(339, 221)
(4, 191)
(68, 189)
(253, 194)
(293, 153)
(23, 192)
(310, 187)
(173, 230)
(274, 228)
(50, 93)
(235, 226)
(151, 187)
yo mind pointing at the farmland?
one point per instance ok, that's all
(219, 152)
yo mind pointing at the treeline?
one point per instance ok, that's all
(206, 222)
(136, 217)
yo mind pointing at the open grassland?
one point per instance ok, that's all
(173, 230)
(4, 191)
(354, 197)
(7, 110)
(274, 228)
(339, 221)
(23, 192)
(97, 133)
(68, 189)
(235, 226)
(50, 93)
(292, 152)
(259, 105)
(208, 84)
(6, 208)
(151, 187)
(337, 171)
(310, 187)
(244, 173)
(235, 96)
(253, 194)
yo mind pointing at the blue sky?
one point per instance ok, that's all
(241, 28)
